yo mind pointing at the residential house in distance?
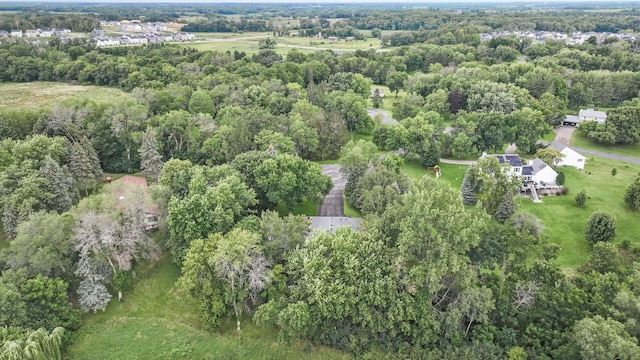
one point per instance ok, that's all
(4, 33)
(592, 115)
(16, 33)
(536, 176)
(585, 115)
(332, 38)
(46, 32)
(571, 157)
(350, 38)
(97, 32)
(30, 33)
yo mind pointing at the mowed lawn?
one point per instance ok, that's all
(579, 140)
(156, 321)
(565, 223)
(48, 94)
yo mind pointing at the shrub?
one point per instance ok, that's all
(632, 196)
(601, 226)
(564, 191)
(614, 172)
(581, 198)
(560, 178)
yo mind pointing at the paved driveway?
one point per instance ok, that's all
(563, 134)
(385, 116)
(333, 203)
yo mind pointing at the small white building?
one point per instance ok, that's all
(46, 32)
(592, 115)
(571, 157)
(16, 33)
(30, 33)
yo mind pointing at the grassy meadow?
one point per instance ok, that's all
(156, 321)
(48, 94)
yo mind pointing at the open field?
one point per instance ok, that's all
(155, 321)
(579, 140)
(340, 44)
(47, 94)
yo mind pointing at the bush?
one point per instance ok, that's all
(564, 190)
(601, 226)
(581, 198)
(560, 178)
(614, 172)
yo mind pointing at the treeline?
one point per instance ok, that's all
(227, 25)
(26, 21)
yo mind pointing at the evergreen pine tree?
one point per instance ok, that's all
(632, 196)
(506, 208)
(150, 158)
(84, 165)
(60, 185)
(376, 99)
(468, 194)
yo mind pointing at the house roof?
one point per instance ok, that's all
(527, 170)
(513, 160)
(538, 165)
(592, 113)
(572, 119)
(134, 180)
(558, 145)
(331, 223)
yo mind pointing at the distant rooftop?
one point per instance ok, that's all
(590, 113)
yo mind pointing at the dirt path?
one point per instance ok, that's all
(333, 203)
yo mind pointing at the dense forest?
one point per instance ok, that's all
(228, 138)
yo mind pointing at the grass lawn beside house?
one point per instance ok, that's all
(565, 223)
(579, 140)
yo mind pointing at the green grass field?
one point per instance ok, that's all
(565, 223)
(155, 321)
(579, 140)
(48, 94)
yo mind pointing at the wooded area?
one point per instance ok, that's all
(231, 142)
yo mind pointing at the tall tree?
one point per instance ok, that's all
(150, 158)
(60, 184)
(468, 189)
(225, 270)
(632, 196)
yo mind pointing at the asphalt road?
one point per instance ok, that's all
(563, 135)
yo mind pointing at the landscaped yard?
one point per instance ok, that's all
(579, 140)
(565, 223)
(48, 94)
(155, 321)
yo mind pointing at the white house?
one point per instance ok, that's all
(539, 172)
(16, 33)
(592, 115)
(30, 33)
(46, 32)
(571, 157)
(511, 163)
